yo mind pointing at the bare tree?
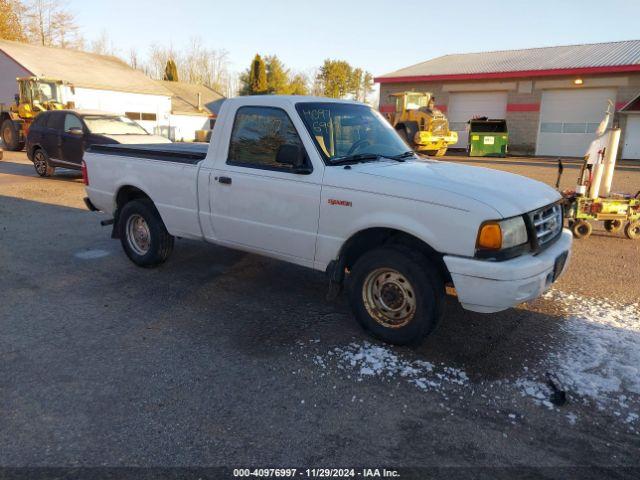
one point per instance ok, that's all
(48, 23)
(157, 60)
(134, 60)
(197, 64)
(203, 65)
(103, 45)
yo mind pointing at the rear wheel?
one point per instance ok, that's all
(396, 294)
(41, 163)
(10, 136)
(632, 230)
(613, 226)
(143, 235)
(581, 229)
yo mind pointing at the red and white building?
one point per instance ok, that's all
(553, 98)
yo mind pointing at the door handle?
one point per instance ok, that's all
(224, 180)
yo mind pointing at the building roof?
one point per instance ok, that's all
(81, 69)
(563, 60)
(184, 98)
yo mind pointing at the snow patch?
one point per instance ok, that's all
(601, 355)
(369, 360)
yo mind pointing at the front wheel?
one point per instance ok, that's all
(632, 230)
(11, 136)
(396, 294)
(41, 163)
(143, 235)
(581, 229)
(405, 136)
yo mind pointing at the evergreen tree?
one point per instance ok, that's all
(335, 78)
(171, 71)
(277, 76)
(257, 76)
(299, 85)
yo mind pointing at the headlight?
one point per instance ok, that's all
(502, 234)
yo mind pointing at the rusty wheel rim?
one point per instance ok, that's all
(389, 298)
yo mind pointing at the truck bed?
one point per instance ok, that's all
(190, 153)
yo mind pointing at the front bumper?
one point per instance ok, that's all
(428, 141)
(485, 286)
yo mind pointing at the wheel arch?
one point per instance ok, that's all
(125, 194)
(32, 150)
(369, 238)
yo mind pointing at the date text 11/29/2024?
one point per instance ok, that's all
(315, 473)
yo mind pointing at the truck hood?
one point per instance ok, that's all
(509, 194)
(136, 139)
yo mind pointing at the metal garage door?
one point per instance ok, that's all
(568, 119)
(631, 138)
(464, 106)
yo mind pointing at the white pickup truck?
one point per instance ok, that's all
(329, 185)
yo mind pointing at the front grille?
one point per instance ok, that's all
(546, 222)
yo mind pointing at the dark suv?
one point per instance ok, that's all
(58, 138)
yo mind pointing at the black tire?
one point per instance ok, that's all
(10, 136)
(405, 136)
(581, 229)
(613, 226)
(632, 230)
(159, 243)
(424, 288)
(431, 153)
(41, 163)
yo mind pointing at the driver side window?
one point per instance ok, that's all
(258, 133)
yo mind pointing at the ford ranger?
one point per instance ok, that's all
(329, 184)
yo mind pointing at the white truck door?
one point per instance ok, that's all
(259, 203)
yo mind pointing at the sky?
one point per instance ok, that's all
(377, 35)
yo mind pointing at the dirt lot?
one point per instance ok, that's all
(221, 358)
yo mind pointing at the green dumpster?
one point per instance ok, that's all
(488, 137)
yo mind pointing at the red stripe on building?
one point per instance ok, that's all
(392, 108)
(619, 105)
(519, 74)
(523, 107)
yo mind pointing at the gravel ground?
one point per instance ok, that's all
(220, 358)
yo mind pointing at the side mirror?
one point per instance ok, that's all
(293, 155)
(76, 131)
(16, 97)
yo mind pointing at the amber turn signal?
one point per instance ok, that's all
(490, 236)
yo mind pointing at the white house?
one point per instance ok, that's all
(96, 82)
(192, 109)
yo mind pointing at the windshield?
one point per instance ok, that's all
(344, 129)
(45, 92)
(111, 125)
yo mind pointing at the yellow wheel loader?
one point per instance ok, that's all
(34, 95)
(421, 124)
